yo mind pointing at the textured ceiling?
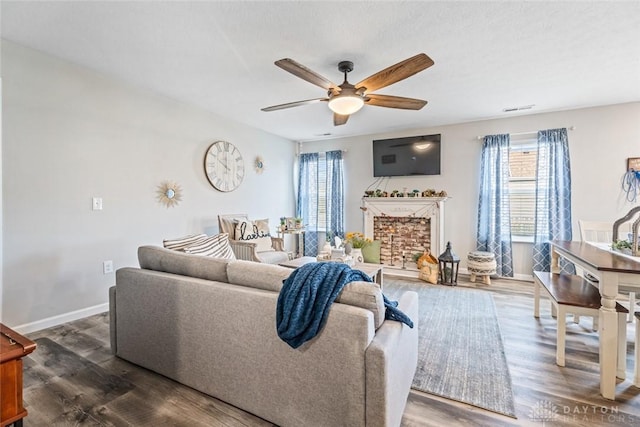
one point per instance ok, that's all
(219, 55)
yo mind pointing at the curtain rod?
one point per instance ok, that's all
(324, 152)
(526, 133)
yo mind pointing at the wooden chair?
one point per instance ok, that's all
(572, 294)
(596, 231)
(602, 232)
(249, 250)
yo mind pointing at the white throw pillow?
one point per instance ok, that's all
(182, 242)
(255, 232)
(215, 246)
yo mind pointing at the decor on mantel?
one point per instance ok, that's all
(404, 193)
(169, 193)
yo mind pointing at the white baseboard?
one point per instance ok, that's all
(60, 319)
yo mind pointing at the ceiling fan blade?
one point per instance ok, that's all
(395, 102)
(304, 73)
(339, 119)
(395, 73)
(294, 104)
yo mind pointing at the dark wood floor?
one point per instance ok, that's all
(72, 379)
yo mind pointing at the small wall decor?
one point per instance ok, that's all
(169, 193)
(631, 179)
(633, 163)
(258, 165)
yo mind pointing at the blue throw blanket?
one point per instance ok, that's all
(306, 297)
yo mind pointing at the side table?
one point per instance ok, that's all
(299, 232)
(13, 347)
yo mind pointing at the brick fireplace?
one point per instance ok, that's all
(405, 226)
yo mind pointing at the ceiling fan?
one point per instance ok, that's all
(345, 99)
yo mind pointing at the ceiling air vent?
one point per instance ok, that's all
(524, 107)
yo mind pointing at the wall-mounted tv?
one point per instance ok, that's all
(413, 155)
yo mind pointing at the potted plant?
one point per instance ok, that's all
(357, 242)
(623, 246)
(298, 222)
(394, 193)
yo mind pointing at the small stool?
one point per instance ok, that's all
(481, 264)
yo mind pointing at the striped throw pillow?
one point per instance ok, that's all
(181, 243)
(215, 246)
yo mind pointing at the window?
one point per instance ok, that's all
(522, 187)
(320, 197)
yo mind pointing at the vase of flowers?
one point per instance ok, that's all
(357, 242)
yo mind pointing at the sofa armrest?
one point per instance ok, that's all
(391, 361)
(277, 243)
(244, 250)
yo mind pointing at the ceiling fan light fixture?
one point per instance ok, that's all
(345, 105)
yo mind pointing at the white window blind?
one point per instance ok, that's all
(522, 187)
(322, 192)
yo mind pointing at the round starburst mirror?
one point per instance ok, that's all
(169, 194)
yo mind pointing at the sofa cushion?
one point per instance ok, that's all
(269, 277)
(257, 275)
(273, 257)
(215, 246)
(170, 261)
(365, 295)
(180, 243)
(254, 232)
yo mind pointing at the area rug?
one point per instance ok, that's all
(460, 351)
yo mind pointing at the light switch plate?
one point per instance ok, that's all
(97, 203)
(107, 267)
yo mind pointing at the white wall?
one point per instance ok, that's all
(71, 134)
(603, 139)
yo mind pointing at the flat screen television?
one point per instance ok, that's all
(413, 155)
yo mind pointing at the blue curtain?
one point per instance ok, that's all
(553, 197)
(494, 220)
(308, 202)
(335, 194)
(307, 206)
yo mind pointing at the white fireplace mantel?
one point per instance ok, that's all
(419, 207)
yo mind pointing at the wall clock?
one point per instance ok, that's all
(224, 166)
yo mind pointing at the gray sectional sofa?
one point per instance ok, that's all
(211, 324)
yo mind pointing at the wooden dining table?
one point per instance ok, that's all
(613, 270)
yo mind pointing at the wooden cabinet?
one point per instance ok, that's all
(13, 347)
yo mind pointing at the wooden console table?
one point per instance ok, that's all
(13, 347)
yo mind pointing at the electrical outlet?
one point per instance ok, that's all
(97, 203)
(107, 267)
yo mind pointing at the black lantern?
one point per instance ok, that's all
(449, 263)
